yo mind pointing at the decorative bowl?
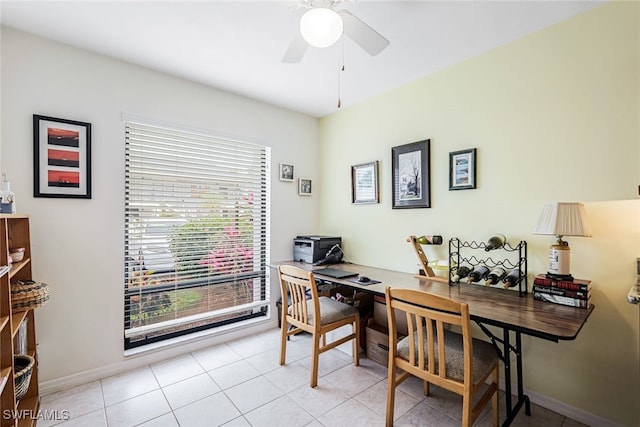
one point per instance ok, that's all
(16, 254)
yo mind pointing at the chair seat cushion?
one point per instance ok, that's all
(330, 310)
(484, 355)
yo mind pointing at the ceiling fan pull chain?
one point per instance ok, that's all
(340, 71)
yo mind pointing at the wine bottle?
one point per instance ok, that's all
(512, 278)
(461, 272)
(495, 242)
(8, 202)
(495, 276)
(478, 273)
(429, 240)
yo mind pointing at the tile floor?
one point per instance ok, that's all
(240, 383)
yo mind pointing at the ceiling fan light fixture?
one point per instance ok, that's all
(321, 27)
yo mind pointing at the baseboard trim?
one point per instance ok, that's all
(562, 408)
(155, 355)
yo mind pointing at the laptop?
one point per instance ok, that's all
(335, 273)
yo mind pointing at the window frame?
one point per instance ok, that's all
(259, 232)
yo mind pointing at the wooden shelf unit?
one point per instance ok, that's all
(14, 233)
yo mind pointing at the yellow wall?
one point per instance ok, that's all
(554, 117)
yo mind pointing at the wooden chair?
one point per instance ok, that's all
(461, 365)
(301, 315)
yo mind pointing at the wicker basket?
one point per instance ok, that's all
(23, 369)
(27, 294)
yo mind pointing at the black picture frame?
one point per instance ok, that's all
(364, 183)
(462, 169)
(61, 158)
(411, 175)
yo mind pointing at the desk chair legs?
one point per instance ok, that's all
(315, 359)
(315, 315)
(319, 345)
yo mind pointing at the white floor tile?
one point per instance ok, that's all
(267, 361)
(72, 403)
(328, 362)
(166, 420)
(216, 357)
(372, 368)
(130, 384)
(351, 379)
(94, 419)
(253, 393)
(375, 398)
(423, 415)
(298, 347)
(272, 414)
(238, 422)
(290, 376)
(176, 369)
(188, 391)
(233, 374)
(211, 411)
(138, 410)
(351, 413)
(320, 399)
(250, 346)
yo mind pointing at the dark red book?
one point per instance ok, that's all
(575, 285)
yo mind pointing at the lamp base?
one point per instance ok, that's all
(566, 277)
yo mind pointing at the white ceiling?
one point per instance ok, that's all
(237, 45)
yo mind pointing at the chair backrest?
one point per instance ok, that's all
(297, 283)
(429, 314)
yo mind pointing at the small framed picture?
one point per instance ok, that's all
(411, 175)
(462, 169)
(304, 186)
(61, 158)
(364, 183)
(286, 172)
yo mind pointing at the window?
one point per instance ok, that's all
(196, 232)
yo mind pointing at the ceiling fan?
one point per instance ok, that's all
(322, 25)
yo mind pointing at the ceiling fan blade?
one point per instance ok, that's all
(296, 49)
(366, 37)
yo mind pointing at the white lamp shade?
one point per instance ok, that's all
(563, 219)
(321, 27)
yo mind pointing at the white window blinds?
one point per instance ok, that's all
(196, 231)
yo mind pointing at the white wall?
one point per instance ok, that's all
(77, 245)
(554, 116)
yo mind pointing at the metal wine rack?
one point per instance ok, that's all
(473, 253)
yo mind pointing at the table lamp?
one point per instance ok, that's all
(562, 219)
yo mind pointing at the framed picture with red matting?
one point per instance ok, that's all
(61, 158)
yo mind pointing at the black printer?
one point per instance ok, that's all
(313, 248)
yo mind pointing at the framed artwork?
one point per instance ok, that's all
(286, 172)
(462, 169)
(364, 183)
(61, 158)
(304, 186)
(411, 170)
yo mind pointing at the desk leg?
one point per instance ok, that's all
(521, 396)
(507, 377)
(523, 399)
(505, 356)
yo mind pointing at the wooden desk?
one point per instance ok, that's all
(487, 306)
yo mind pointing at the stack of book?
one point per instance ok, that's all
(576, 293)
